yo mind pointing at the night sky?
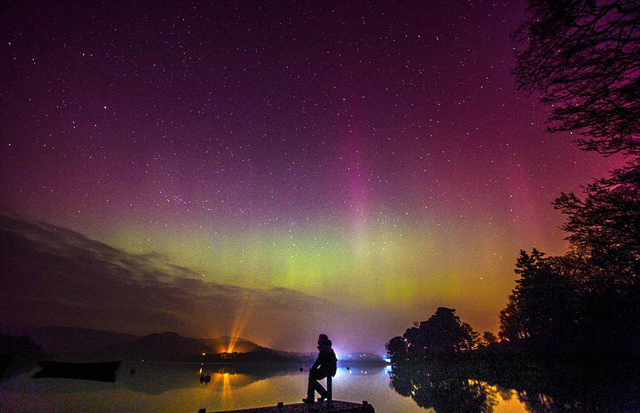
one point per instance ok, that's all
(374, 154)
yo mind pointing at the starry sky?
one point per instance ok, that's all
(373, 154)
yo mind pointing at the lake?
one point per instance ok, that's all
(176, 388)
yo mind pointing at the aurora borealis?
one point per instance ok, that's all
(373, 154)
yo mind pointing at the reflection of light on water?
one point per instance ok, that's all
(222, 381)
(355, 371)
(171, 388)
(503, 399)
(226, 388)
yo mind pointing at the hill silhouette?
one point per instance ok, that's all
(70, 343)
(69, 340)
(169, 346)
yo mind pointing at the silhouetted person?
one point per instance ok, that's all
(325, 366)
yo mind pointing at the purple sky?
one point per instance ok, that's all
(371, 153)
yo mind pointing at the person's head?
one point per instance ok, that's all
(322, 339)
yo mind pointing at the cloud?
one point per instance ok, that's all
(54, 276)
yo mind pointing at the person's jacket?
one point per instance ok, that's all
(327, 362)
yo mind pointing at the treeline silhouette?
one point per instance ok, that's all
(575, 303)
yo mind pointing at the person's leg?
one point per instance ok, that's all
(311, 387)
(314, 386)
(320, 389)
(318, 386)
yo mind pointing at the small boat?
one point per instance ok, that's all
(5, 360)
(101, 371)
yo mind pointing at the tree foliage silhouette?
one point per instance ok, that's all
(609, 216)
(396, 348)
(489, 337)
(574, 302)
(542, 306)
(443, 332)
(583, 57)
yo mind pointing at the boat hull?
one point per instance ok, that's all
(102, 371)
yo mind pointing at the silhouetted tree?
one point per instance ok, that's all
(413, 340)
(609, 216)
(489, 337)
(544, 306)
(443, 332)
(604, 229)
(574, 302)
(512, 326)
(582, 56)
(396, 348)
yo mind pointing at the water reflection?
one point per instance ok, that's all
(158, 387)
(448, 387)
(442, 390)
(226, 387)
(157, 378)
(479, 388)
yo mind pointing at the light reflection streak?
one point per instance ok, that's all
(227, 393)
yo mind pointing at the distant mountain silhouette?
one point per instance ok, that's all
(174, 347)
(72, 343)
(158, 346)
(69, 340)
